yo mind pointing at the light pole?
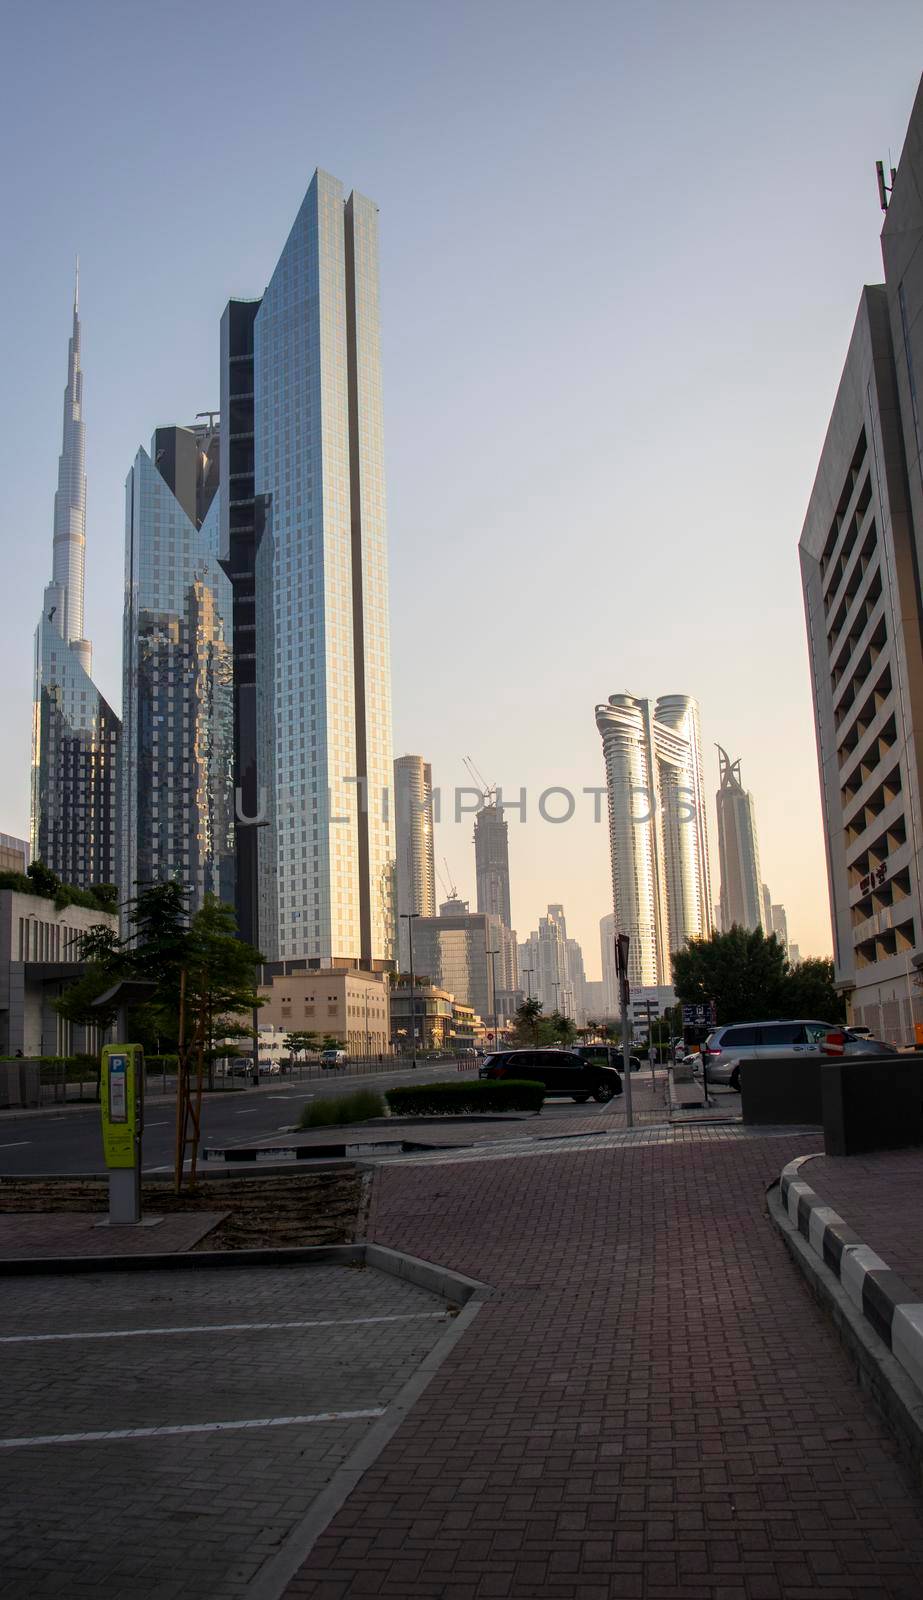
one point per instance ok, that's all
(493, 980)
(408, 917)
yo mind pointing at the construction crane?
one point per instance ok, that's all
(488, 790)
(447, 882)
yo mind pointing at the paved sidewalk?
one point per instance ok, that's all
(880, 1197)
(57, 1234)
(652, 1405)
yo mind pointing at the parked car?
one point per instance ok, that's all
(269, 1068)
(727, 1047)
(563, 1072)
(333, 1058)
(609, 1054)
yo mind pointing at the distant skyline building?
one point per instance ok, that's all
(607, 932)
(415, 874)
(452, 950)
(556, 968)
(304, 542)
(739, 851)
(766, 902)
(74, 796)
(861, 549)
(177, 747)
(780, 926)
(492, 862)
(658, 837)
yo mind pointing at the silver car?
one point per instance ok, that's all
(727, 1047)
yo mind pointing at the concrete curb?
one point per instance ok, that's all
(878, 1294)
(876, 1369)
(451, 1286)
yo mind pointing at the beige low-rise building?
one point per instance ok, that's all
(346, 1003)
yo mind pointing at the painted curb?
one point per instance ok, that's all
(879, 1295)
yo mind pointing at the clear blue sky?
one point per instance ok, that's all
(622, 249)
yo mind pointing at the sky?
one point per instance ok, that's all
(622, 249)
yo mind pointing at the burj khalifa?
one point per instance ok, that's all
(75, 732)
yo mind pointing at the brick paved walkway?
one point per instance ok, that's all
(879, 1196)
(652, 1405)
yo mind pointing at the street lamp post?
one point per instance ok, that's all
(408, 917)
(493, 979)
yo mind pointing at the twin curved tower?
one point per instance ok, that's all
(661, 880)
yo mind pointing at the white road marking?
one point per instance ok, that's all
(190, 1427)
(155, 1125)
(251, 1113)
(15, 1143)
(221, 1327)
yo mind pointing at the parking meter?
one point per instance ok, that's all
(121, 1102)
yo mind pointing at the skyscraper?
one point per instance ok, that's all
(177, 739)
(657, 832)
(75, 732)
(492, 862)
(739, 851)
(304, 542)
(416, 869)
(611, 995)
(861, 552)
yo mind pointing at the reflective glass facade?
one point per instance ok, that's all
(177, 748)
(75, 744)
(322, 643)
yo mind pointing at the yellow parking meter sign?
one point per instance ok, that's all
(122, 1103)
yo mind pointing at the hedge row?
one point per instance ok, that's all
(448, 1099)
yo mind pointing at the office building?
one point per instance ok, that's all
(657, 831)
(780, 926)
(738, 850)
(453, 951)
(766, 905)
(415, 874)
(612, 1000)
(177, 753)
(304, 544)
(14, 853)
(74, 801)
(349, 1005)
(794, 957)
(555, 967)
(492, 862)
(861, 549)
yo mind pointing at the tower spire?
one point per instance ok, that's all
(64, 595)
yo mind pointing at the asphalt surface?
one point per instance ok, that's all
(69, 1140)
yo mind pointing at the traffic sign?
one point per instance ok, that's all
(699, 1016)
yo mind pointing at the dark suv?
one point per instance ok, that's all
(561, 1071)
(608, 1054)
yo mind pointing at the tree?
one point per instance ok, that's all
(749, 979)
(301, 1042)
(220, 984)
(809, 991)
(526, 1022)
(741, 972)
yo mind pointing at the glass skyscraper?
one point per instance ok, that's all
(177, 742)
(75, 732)
(304, 542)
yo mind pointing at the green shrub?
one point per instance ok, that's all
(334, 1110)
(473, 1095)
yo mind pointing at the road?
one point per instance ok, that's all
(70, 1141)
